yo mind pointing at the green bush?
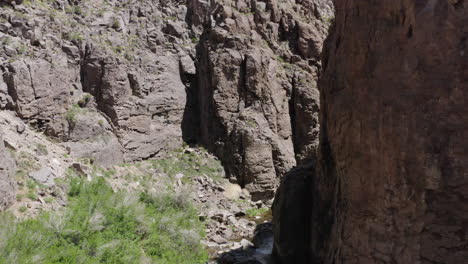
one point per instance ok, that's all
(103, 226)
(70, 115)
(252, 212)
(42, 149)
(73, 36)
(190, 164)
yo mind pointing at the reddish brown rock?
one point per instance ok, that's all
(392, 186)
(257, 67)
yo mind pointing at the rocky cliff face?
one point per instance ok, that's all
(127, 80)
(117, 81)
(111, 81)
(103, 77)
(391, 186)
(256, 97)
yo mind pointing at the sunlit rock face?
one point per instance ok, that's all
(7, 182)
(256, 97)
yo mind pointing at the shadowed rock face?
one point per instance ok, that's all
(392, 183)
(291, 213)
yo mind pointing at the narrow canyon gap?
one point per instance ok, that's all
(391, 182)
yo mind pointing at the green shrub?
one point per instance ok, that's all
(31, 184)
(42, 149)
(190, 164)
(85, 99)
(19, 197)
(21, 49)
(77, 10)
(116, 23)
(6, 40)
(70, 115)
(32, 195)
(73, 36)
(103, 226)
(252, 212)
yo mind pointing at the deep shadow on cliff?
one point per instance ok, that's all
(390, 184)
(257, 253)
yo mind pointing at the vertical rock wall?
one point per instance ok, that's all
(104, 77)
(392, 184)
(258, 62)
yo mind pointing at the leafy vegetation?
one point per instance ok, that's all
(70, 115)
(116, 23)
(328, 19)
(6, 40)
(41, 149)
(252, 212)
(190, 164)
(77, 10)
(23, 209)
(22, 49)
(100, 225)
(85, 99)
(73, 36)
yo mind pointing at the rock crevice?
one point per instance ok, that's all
(247, 58)
(390, 184)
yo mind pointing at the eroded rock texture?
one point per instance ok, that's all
(125, 80)
(7, 182)
(122, 81)
(256, 97)
(392, 186)
(107, 78)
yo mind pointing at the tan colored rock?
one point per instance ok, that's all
(132, 78)
(13, 2)
(145, 105)
(41, 91)
(7, 181)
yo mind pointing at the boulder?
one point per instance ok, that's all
(43, 176)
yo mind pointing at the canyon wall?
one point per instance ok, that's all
(119, 81)
(391, 184)
(102, 77)
(256, 99)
